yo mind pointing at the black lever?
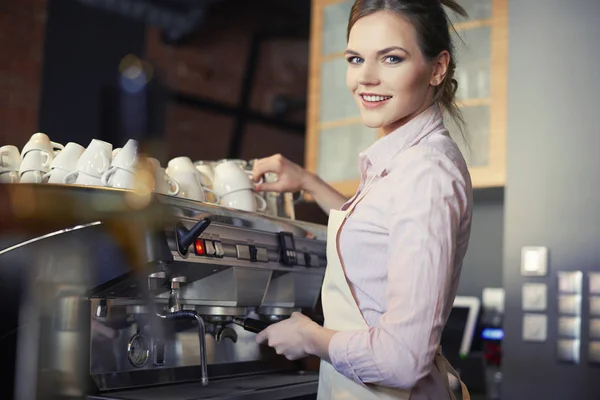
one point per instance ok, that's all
(185, 237)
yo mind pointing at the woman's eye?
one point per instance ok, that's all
(393, 59)
(355, 60)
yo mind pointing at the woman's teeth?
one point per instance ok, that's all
(375, 98)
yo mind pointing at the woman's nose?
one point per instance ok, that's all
(368, 75)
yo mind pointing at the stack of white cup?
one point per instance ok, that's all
(121, 173)
(183, 170)
(163, 184)
(36, 157)
(234, 187)
(64, 163)
(92, 164)
(10, 161)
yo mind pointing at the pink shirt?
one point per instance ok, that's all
(402, 250)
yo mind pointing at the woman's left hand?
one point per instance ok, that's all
(290, 337)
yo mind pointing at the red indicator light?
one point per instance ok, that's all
(199, 247)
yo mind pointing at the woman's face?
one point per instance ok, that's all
(387, 75)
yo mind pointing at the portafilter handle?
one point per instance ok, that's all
(251, 324)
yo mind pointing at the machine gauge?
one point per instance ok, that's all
(138, 350)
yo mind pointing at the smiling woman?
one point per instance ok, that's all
(387, 35)
(395, 249)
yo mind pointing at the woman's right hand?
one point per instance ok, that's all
(292, 177)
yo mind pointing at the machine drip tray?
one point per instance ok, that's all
(271, 386)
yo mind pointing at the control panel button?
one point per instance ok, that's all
(199, 247)
(219, 251)
(570, 282)
(569, 304)
(595, 306)
(252, 250)
(594, 352)
(569, 327)
(243, 251)
(568, 351)
(595, 283)
(287, 249)
(210, 248)
(262, 255)
(307, 260)
(595, 328)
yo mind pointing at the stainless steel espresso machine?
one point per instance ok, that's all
(151, 297)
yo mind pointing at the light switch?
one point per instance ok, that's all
(594, 352)
(595, 283)
(535, 327)
(568, 351)
(570, 282)
(569, 304)
(534, 296)
(569, 327)
(595, 306)
(595, 328)
(534, 261)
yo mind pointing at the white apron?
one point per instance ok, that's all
(342, 314)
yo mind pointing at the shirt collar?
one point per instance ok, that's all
(381, 153)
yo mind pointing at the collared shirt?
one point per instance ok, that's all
(402, 249)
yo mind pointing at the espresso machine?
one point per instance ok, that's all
(147, 296)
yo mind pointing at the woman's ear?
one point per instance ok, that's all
(440, 68)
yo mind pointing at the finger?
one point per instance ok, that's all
(262, 337)
(269, 164)
(268, 187)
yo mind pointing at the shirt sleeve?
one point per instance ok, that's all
(427, 204)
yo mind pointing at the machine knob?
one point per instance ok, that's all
(185, 237)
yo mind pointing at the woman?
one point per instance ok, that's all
(395, 249)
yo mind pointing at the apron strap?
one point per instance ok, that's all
(446, 368)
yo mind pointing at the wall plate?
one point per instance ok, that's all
(534, 296)
(534, 261)
(535, 327)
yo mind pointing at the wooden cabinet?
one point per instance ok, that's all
(335, 131)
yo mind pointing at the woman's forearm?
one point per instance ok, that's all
(326, 196)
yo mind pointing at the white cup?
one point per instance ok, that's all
(184, 164)
(10, 158)
(67, 159)
(36, 160)
(162, 182)
(40, 141)
(56, 175)
(119, 178)
(32, 177)
(244, 199)
(125, 157)
(190, 186)
(9, 177)
(207, 171)
(81, 178)
(230, 177)
(92, 163)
